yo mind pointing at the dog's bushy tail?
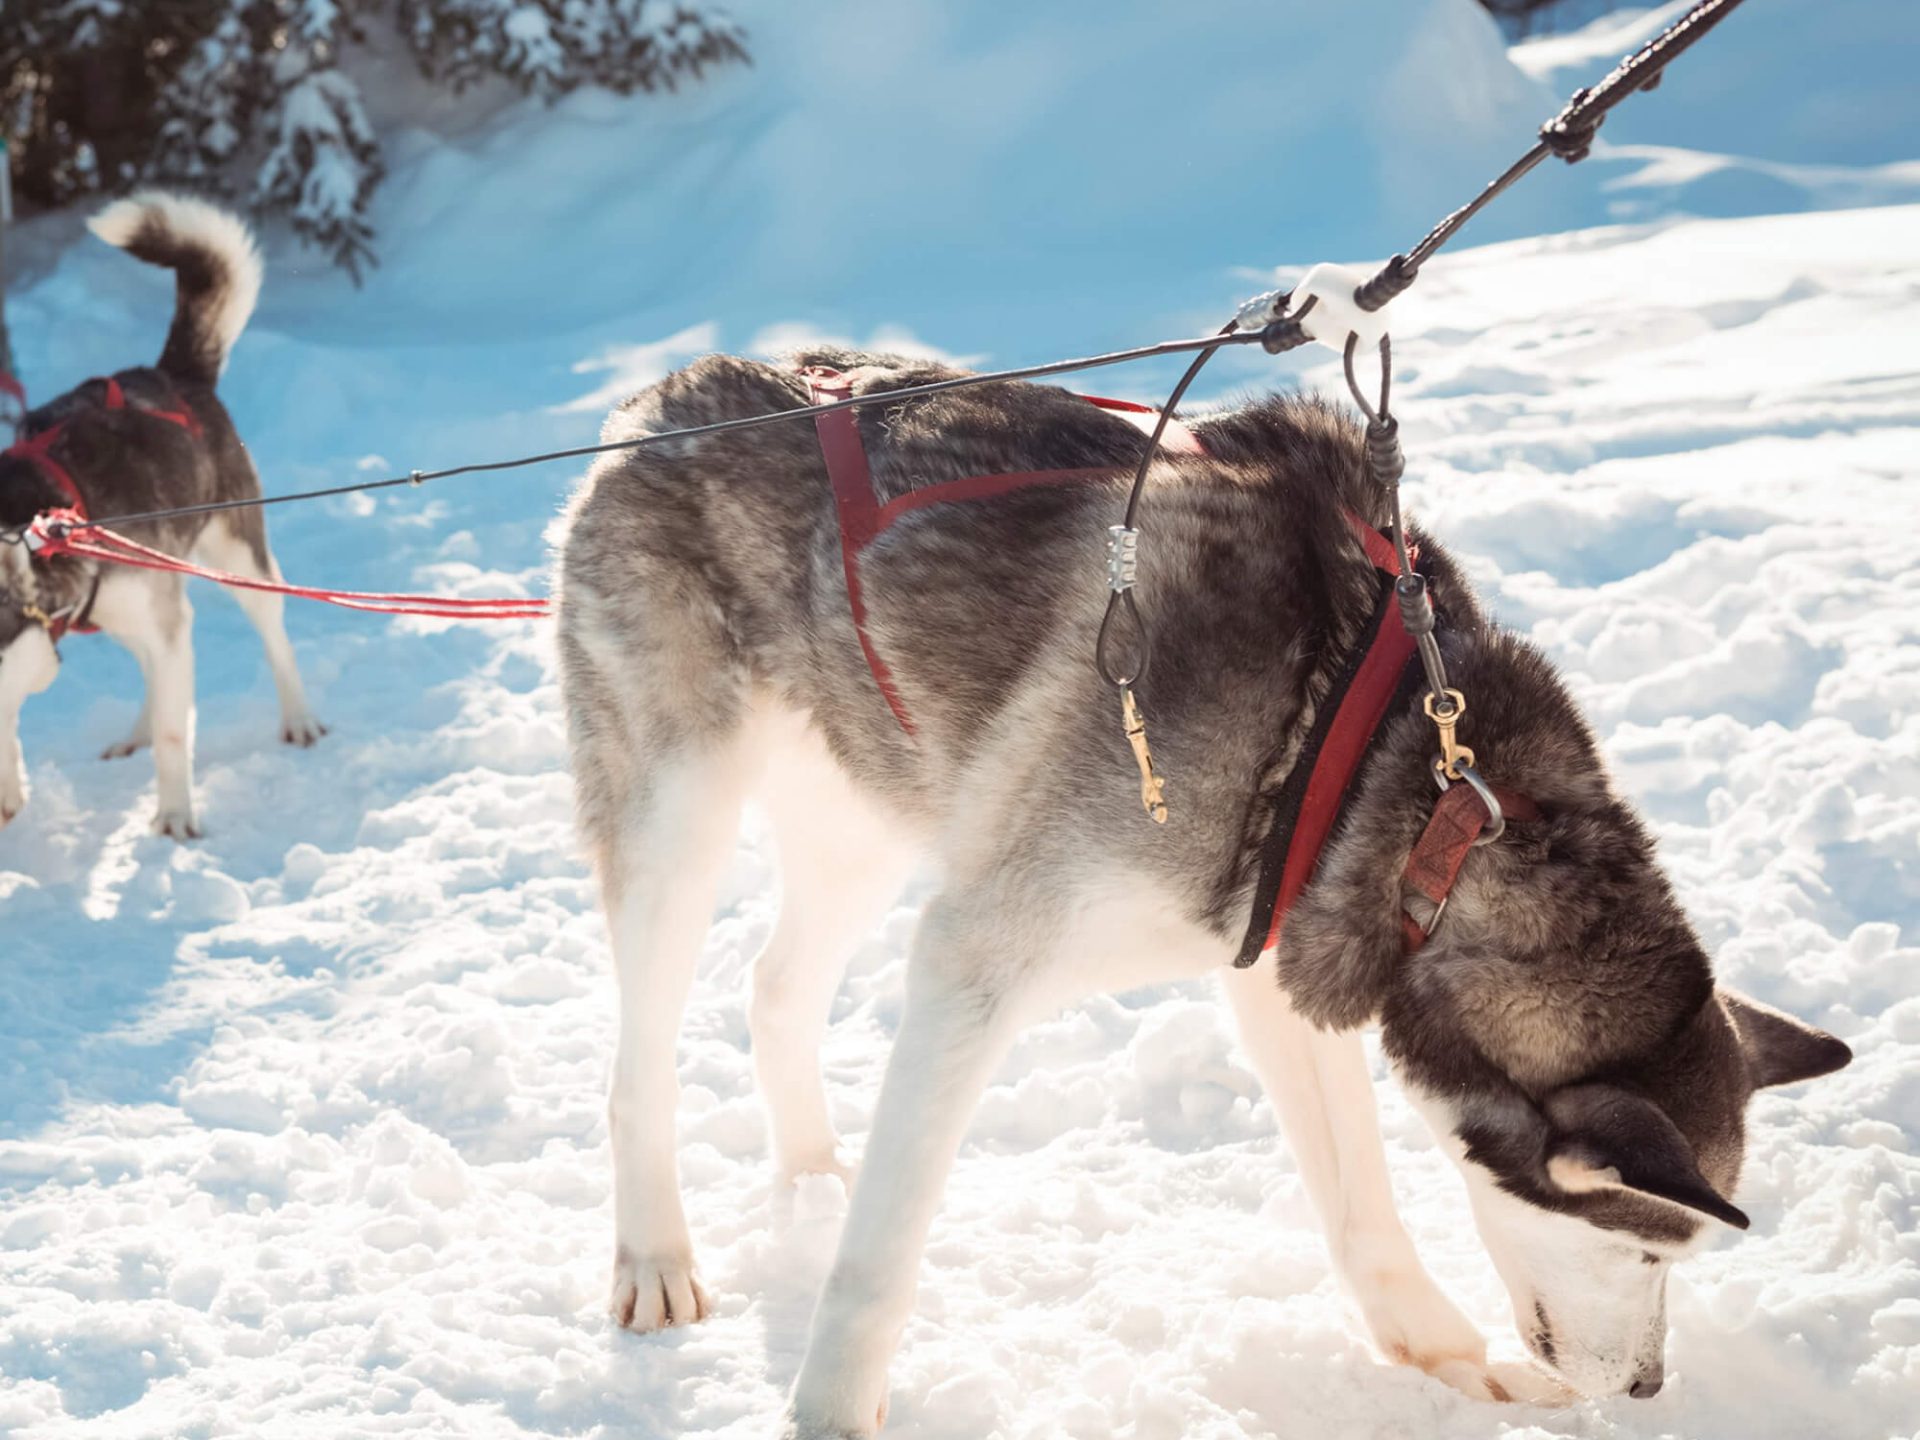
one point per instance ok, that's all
(212, 254)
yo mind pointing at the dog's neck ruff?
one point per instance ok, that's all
(37, 450)
(1316, 789)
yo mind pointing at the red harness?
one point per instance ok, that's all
(1310, 801)
(37, 450)
(863, 518)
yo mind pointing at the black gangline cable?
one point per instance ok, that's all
(1206, 344)
(1569, 134)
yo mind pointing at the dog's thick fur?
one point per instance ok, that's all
(128, 460)
(1561, 1028)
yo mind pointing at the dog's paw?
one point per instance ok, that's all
(301, 730)
(797, 1170)
(653, 1292)
(1414, 1323)
(801, 1426)
(10, 806)
(1501, 1383)
(176, 825)
(1529, 1384)
(132, 745)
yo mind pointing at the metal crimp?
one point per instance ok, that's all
(1123, 558)
(1445, 710)
(1152, 788)
(1262, 310)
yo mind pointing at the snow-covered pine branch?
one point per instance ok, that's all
(259, 98)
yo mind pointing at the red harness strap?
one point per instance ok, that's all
(863, 518)
(859, 514)
(116, 399)
(1346, 739)
(37, 449)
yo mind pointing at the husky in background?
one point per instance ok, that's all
(149, 438)
(1561, 1029)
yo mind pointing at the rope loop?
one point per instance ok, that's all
(1118, 603)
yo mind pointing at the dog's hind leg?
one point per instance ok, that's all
(841, 861)
(958, 1023)
(665, 748)
(150, 615)
(1321, 1089)
(236, 541)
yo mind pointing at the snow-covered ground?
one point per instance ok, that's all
(301, 1126)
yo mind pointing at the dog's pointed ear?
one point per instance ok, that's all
(1781, 1050)
(1609, 1138)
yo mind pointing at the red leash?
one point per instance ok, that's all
(65, 532)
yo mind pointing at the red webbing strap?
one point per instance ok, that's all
(1361, 710)
(984, 487)
(858, 510)
(116, 399)
(37, 450)
(1336, 745)
(57, 533)
(1176, 439)
(1458, 818)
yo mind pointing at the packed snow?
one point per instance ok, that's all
(301, 1126)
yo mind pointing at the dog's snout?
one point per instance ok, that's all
(1646, 1387)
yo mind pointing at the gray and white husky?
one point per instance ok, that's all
(1561, 1029)
(148, 438)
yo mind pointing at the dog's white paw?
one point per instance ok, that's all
(1502, 1383)
(1529, 1384)
(132, 745)
(301, 730)
(176, 824)
(654, 1291)
(796, 1169)
(11, 804)
(1413, 1322)
(802, 1424)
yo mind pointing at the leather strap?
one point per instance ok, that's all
(1459, 816)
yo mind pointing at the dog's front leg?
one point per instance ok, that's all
(1320, 1088)
(956, 1027)
(27, 666)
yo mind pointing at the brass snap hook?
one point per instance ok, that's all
(1445, 710)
